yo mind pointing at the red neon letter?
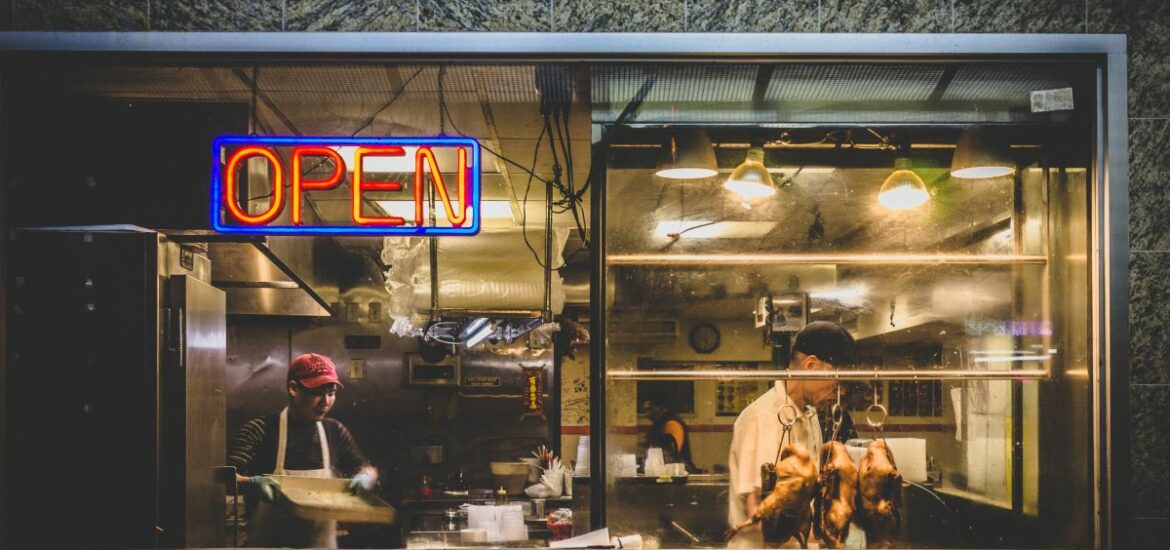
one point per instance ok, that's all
(297, 183)
(229, 186)
(437, 178)
(359, 185)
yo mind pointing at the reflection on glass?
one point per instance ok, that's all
(956, 285)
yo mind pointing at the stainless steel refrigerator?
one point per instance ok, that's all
(114, 393)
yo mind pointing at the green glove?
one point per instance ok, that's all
(268, 487)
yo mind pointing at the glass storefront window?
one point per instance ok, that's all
(968, 298)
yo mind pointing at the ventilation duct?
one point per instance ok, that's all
(494, 271)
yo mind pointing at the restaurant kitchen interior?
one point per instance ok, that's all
(657, 227)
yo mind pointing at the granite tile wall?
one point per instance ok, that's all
(752, 16)
(1146, 22)
(1151, 477)
(885, 16)
(216, 15)
(1022, 16)
(619, 16)
(1149, 341)
(477, 15)
(80, 15)
(1147, 26)
(1149, 184)
(354, 15)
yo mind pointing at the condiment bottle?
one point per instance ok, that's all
(501, 496)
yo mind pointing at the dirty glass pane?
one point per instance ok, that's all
(976, 291)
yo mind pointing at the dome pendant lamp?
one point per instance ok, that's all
(980, 155)
(903, 189)
(751, 180)
(687, 156)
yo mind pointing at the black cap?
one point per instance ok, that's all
(828, 341)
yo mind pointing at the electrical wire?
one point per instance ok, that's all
(524, 204)
(451, 119)
(366, 124)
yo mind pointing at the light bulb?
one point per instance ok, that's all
(751, 180)
(903, 189)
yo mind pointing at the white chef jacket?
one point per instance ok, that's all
(755, 441)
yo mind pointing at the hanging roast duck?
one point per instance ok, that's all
(787, 512)
(836, 497)
(879, 499)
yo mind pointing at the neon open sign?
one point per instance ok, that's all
(277, 173)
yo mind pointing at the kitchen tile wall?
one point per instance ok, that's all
(1146, 22)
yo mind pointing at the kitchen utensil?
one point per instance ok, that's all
(331, 499)
(473, 534)
(510, 475)
(533, 468)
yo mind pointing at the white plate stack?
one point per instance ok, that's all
(499, 523)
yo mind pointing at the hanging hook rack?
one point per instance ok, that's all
(876, 415)
(838, 415)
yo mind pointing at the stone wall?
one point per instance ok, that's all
(1147, 23)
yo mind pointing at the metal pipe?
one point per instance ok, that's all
(891, 374)
(805, 259)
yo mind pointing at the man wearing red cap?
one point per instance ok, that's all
(299, 441)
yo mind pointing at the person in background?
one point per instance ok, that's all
(667, 431)
(297, 441)
(755, 439)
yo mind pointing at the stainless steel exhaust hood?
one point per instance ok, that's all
(266, 275)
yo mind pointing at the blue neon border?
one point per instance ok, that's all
(219, 143)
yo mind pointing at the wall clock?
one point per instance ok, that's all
(704, 338)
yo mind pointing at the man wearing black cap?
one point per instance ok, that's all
(819, 345)
(299, 441)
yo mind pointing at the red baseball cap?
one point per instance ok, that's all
(311, 370)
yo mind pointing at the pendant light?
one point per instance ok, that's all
(980, 155)
(687, 156)
(751, 180)
(903, 189)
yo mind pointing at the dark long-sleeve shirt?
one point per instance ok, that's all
(253, 449)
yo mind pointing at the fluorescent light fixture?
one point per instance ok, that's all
(478, 336)
(751, 180)
(840, 293)
(903, 189)
(488, 210)
(688, 155)
(473, 326)
(979, 154)
(1012, 358)
(790, 170)
(706, 229)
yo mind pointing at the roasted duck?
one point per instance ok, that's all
(787, 512)
(836, 497)
(879, 498)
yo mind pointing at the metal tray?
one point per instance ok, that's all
(330, 499)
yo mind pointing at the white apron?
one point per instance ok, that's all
(273, 526)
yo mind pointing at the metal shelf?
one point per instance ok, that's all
(806, 259)
(842, 374)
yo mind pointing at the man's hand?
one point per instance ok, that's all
(361, 482)
(268, 488)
